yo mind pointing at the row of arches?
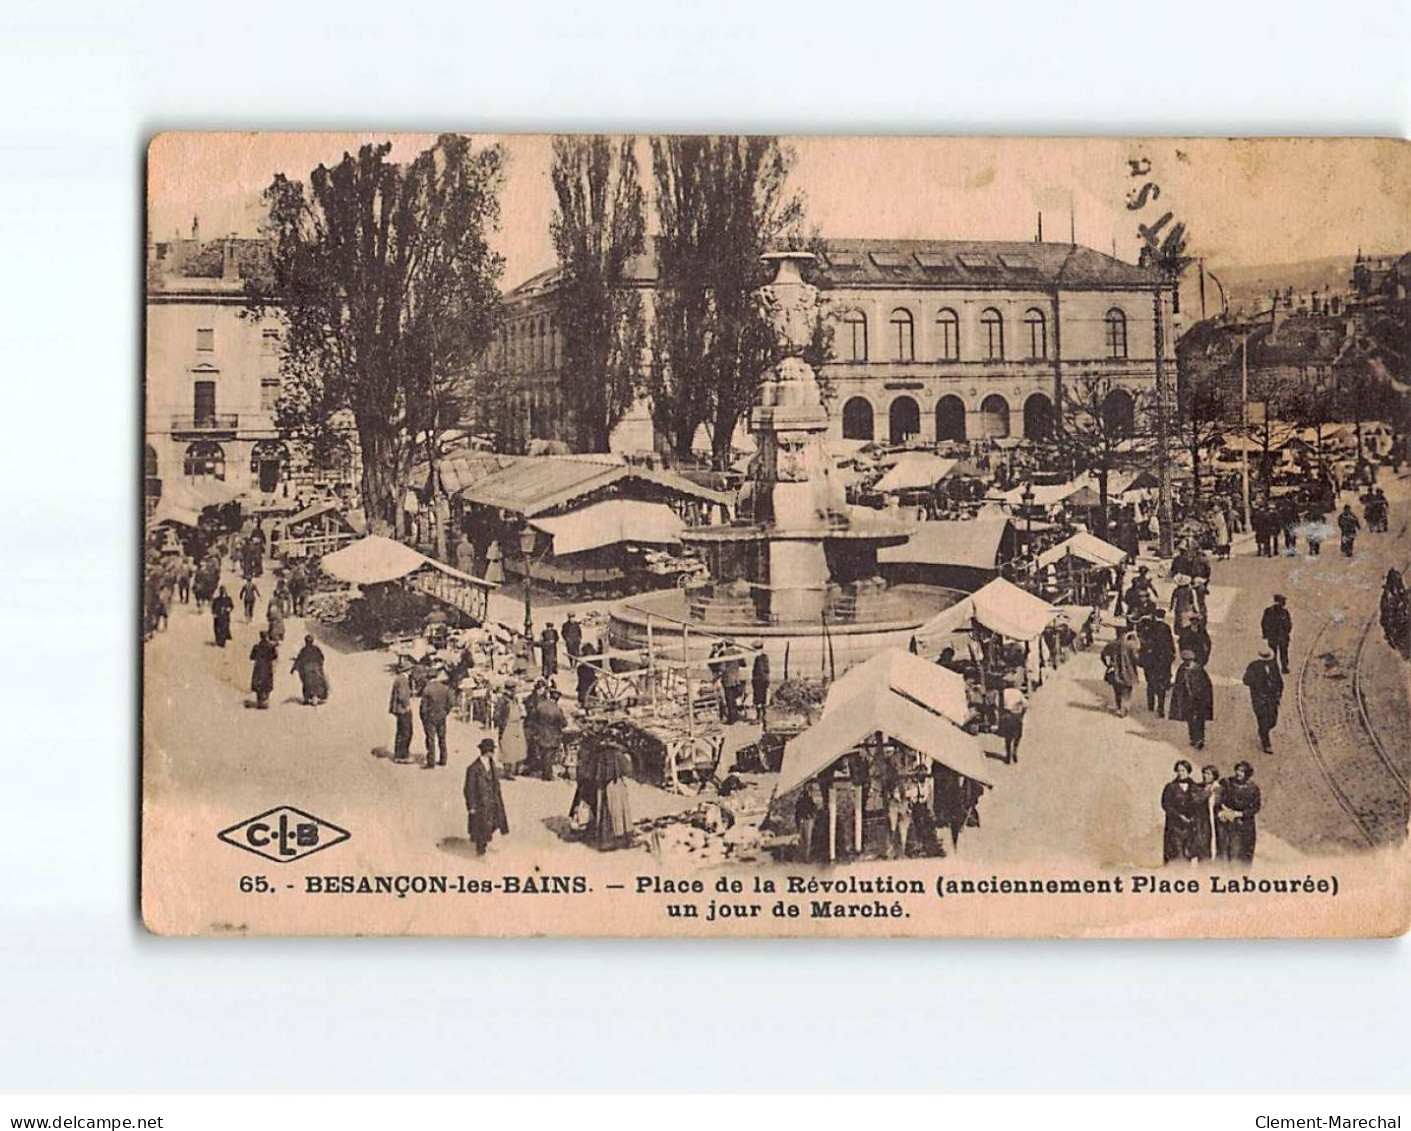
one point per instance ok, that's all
(993, 421)
(851, 342)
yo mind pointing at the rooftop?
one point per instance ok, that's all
(928, 263)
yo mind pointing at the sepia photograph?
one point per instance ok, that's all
(761, 535)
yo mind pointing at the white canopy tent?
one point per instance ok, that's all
(1001, 606)
(899, 696)
(1087, 546)
(375, 559)
(610, 522)
(915, 471)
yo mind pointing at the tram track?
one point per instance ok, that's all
(1343, 740)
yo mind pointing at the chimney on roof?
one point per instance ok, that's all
(1040, 237)
(228, 271)
(195, 227)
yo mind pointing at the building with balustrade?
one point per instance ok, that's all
(933, 340)
(213, 378)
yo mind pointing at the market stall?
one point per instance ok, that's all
(375, 561)
(995, 633)
(891, 731)
(1082, 565)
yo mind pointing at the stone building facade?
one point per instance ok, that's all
(932, 340)
(213, 379)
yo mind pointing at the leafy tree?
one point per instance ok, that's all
(383, 276)
(721, 203)
(1204, 416)
(598, 227)
(1096, 439)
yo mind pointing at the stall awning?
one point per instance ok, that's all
(1077, 491)
(903, 698)
(536, 485)
(1087, 546)
(915, 471)
(973, 543)
(374, 559)
(610, 522)
(1001, 606)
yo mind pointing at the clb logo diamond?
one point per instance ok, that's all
(284, 834)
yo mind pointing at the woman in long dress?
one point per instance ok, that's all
(494, 565)
(513, 749)
(275, 616)
(221, 608)
(614, 806)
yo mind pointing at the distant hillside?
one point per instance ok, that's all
(1249, 285)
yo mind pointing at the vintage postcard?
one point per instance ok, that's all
(763, 536)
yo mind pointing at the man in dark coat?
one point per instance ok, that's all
(759, 680)
(1277, 626)
(435, 707)
(1195, 637)
(1266, 689)
(309, 666)
(1349, 525)
(484, 804)
(1181, 801)
(1235, 810)
(1192, 698)
(400, 708)
(549, 651)
(572, 637)
(263, 655)
(1158, 656)
(544, 726)
(587, 675)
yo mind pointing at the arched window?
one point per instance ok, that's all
(1116, 333)
(1038, 417)
(994, 417)
(268, 459)
(992, 333)
(853, 344)
(1036, 330)
(948, 335)
(205, 459)
(950, 418)
(904, 420)
(857, 419)
(1119, 413)
(903, 335)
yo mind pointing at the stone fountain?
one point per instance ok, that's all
(797, 569)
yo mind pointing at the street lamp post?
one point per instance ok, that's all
(1027, 497)
(527, 538)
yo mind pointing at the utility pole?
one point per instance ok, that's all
(1244, 425)
(1166, 546)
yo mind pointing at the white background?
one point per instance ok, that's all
(89, 1001)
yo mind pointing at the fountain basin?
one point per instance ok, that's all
(676, 634)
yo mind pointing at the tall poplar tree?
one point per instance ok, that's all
(598, 227)
(721, 203)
